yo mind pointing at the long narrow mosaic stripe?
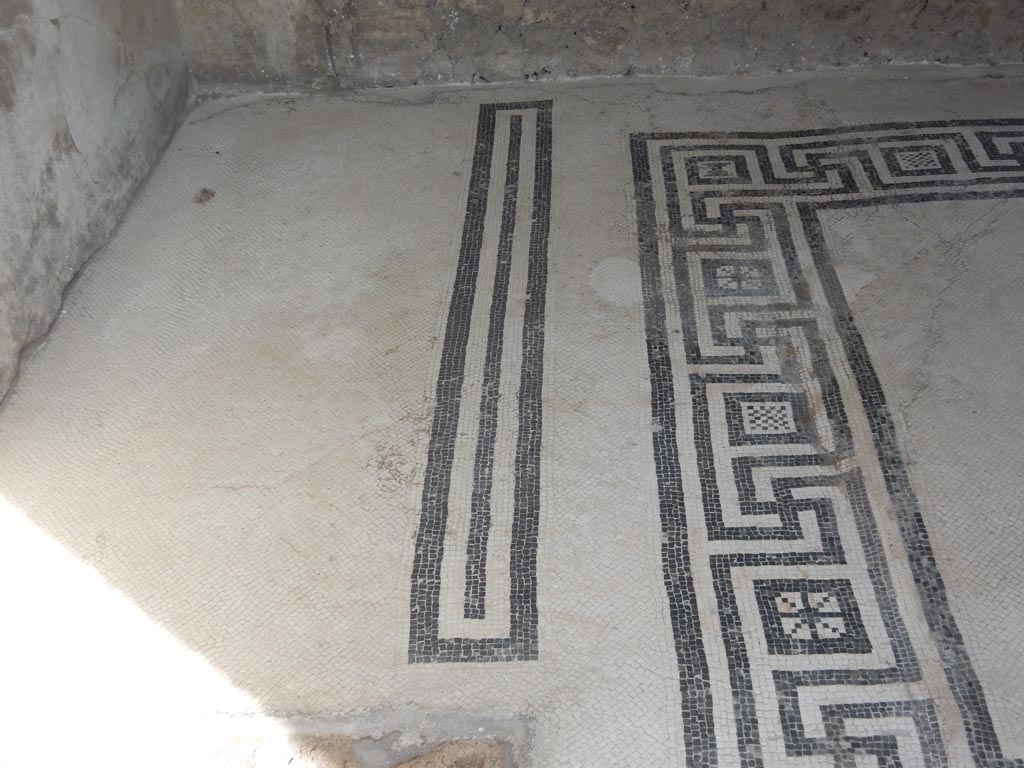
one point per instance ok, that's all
(771, 421)
(520, 642)
(483, 464)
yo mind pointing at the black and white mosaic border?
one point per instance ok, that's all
(425, 644)
(731, 241)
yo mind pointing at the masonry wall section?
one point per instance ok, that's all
(398, 42)
(90, 94)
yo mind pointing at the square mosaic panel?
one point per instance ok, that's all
(917, 160)
(767, 418)
(718, 169)
(811, 616)
(738, 277)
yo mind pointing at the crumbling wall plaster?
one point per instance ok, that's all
(396, 42)
(90, 93)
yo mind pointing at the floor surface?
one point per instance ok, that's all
(632, 423)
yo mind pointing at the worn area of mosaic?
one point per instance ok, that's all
(652, 424)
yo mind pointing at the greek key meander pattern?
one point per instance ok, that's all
(523, 120)
(782, 489)
(793, 545)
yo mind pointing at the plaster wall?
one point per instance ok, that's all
(90, 93)
(395, 42)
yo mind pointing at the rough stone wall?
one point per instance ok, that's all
(90, 93)
(392, 42)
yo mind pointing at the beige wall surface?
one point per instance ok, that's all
(90, 93)
(393, 42)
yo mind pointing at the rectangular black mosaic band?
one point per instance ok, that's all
(520, 644)
(483, 463)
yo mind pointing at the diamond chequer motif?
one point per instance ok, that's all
(765, 418)
(917, 160)
(768, 418)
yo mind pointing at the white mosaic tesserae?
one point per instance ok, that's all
(631, 423)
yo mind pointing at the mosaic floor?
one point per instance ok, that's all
(633, 423)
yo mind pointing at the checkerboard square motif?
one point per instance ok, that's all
(768, 418)
(771, 417)
(917, 160)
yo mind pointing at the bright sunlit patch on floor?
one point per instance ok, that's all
(85, 672)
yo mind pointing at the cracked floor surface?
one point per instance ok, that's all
(624, 423)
